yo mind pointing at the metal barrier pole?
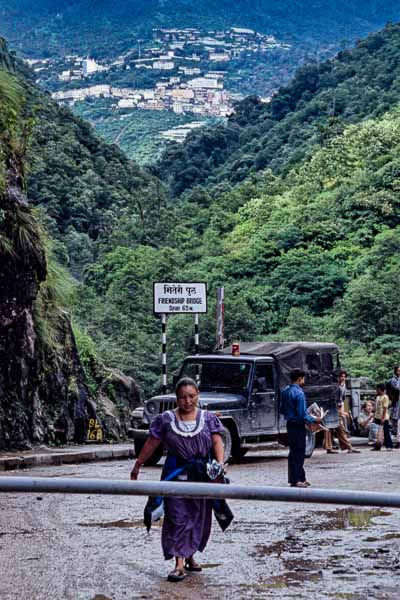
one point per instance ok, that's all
(195, 490)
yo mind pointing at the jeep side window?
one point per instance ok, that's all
(327, 363)
(263, 378)
(313, 362)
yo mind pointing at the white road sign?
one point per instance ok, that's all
(190, 298)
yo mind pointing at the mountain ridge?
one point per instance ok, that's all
(82, 18)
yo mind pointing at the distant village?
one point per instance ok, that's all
(189, 68)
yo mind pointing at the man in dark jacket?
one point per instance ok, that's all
(294, 409)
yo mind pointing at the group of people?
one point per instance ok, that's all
(336, 421)
(191, 435)
(377, 421)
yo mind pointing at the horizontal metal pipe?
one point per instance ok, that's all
(195, 490)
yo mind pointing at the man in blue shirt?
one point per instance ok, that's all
(294, 408)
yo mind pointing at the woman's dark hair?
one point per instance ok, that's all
(296, 374)
(395, 369)
(381, 387)
(185, 381)
(341, 372)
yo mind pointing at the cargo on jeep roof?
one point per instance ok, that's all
(309, 356)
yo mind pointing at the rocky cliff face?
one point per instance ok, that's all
(44, 397)
(39, 389)
(43, 393)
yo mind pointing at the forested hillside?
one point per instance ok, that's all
(48, 390)
(307, 250)
(44, 27)
(314, 254)
(316, 105)
(307, 245)
(86, 186)
(84, 25)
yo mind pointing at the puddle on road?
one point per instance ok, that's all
(349, 596)
(121, 523)
(25, 532)
(301, 569)
(355, 518)
(289, 544)
(101, 597)
(343, 518)
(387, 536)
(300, 565)
(291, 578)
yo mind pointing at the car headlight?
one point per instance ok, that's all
(151, 407)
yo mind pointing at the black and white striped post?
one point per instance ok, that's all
(196, 334)
(164, 352)
(196, 345)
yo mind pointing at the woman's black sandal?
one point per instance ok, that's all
(176, 575)
(191, 565)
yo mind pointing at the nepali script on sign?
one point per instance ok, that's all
(180, 298)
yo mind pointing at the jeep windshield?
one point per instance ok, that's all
(226, 376)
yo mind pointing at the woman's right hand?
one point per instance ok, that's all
(135, 471)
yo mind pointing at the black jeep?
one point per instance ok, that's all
(244, 391)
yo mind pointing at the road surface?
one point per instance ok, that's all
(59, 547)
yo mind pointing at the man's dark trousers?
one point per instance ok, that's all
(297, 451)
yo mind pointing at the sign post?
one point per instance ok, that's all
(178, 298)
(164, 352)
(220, 341)
(196, 333)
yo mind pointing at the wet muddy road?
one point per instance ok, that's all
(95, 547)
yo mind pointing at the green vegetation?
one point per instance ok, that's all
(86, 187)
(299, 220)
(314, 254)
(135, 132)
(45, 26)
(317, 104)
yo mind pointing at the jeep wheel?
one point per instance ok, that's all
(310, 443)
(227, 442)
(154, 458)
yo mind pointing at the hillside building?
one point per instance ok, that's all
(219, 56)
(94, 91)
(90, 66)
(204, 83)
(163, 65)
(127, 103)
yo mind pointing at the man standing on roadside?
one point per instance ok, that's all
(294, 409)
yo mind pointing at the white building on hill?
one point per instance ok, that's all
(164, 65)
(205, 83)
(90, 66)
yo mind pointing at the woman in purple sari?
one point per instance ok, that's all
(188, 434)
